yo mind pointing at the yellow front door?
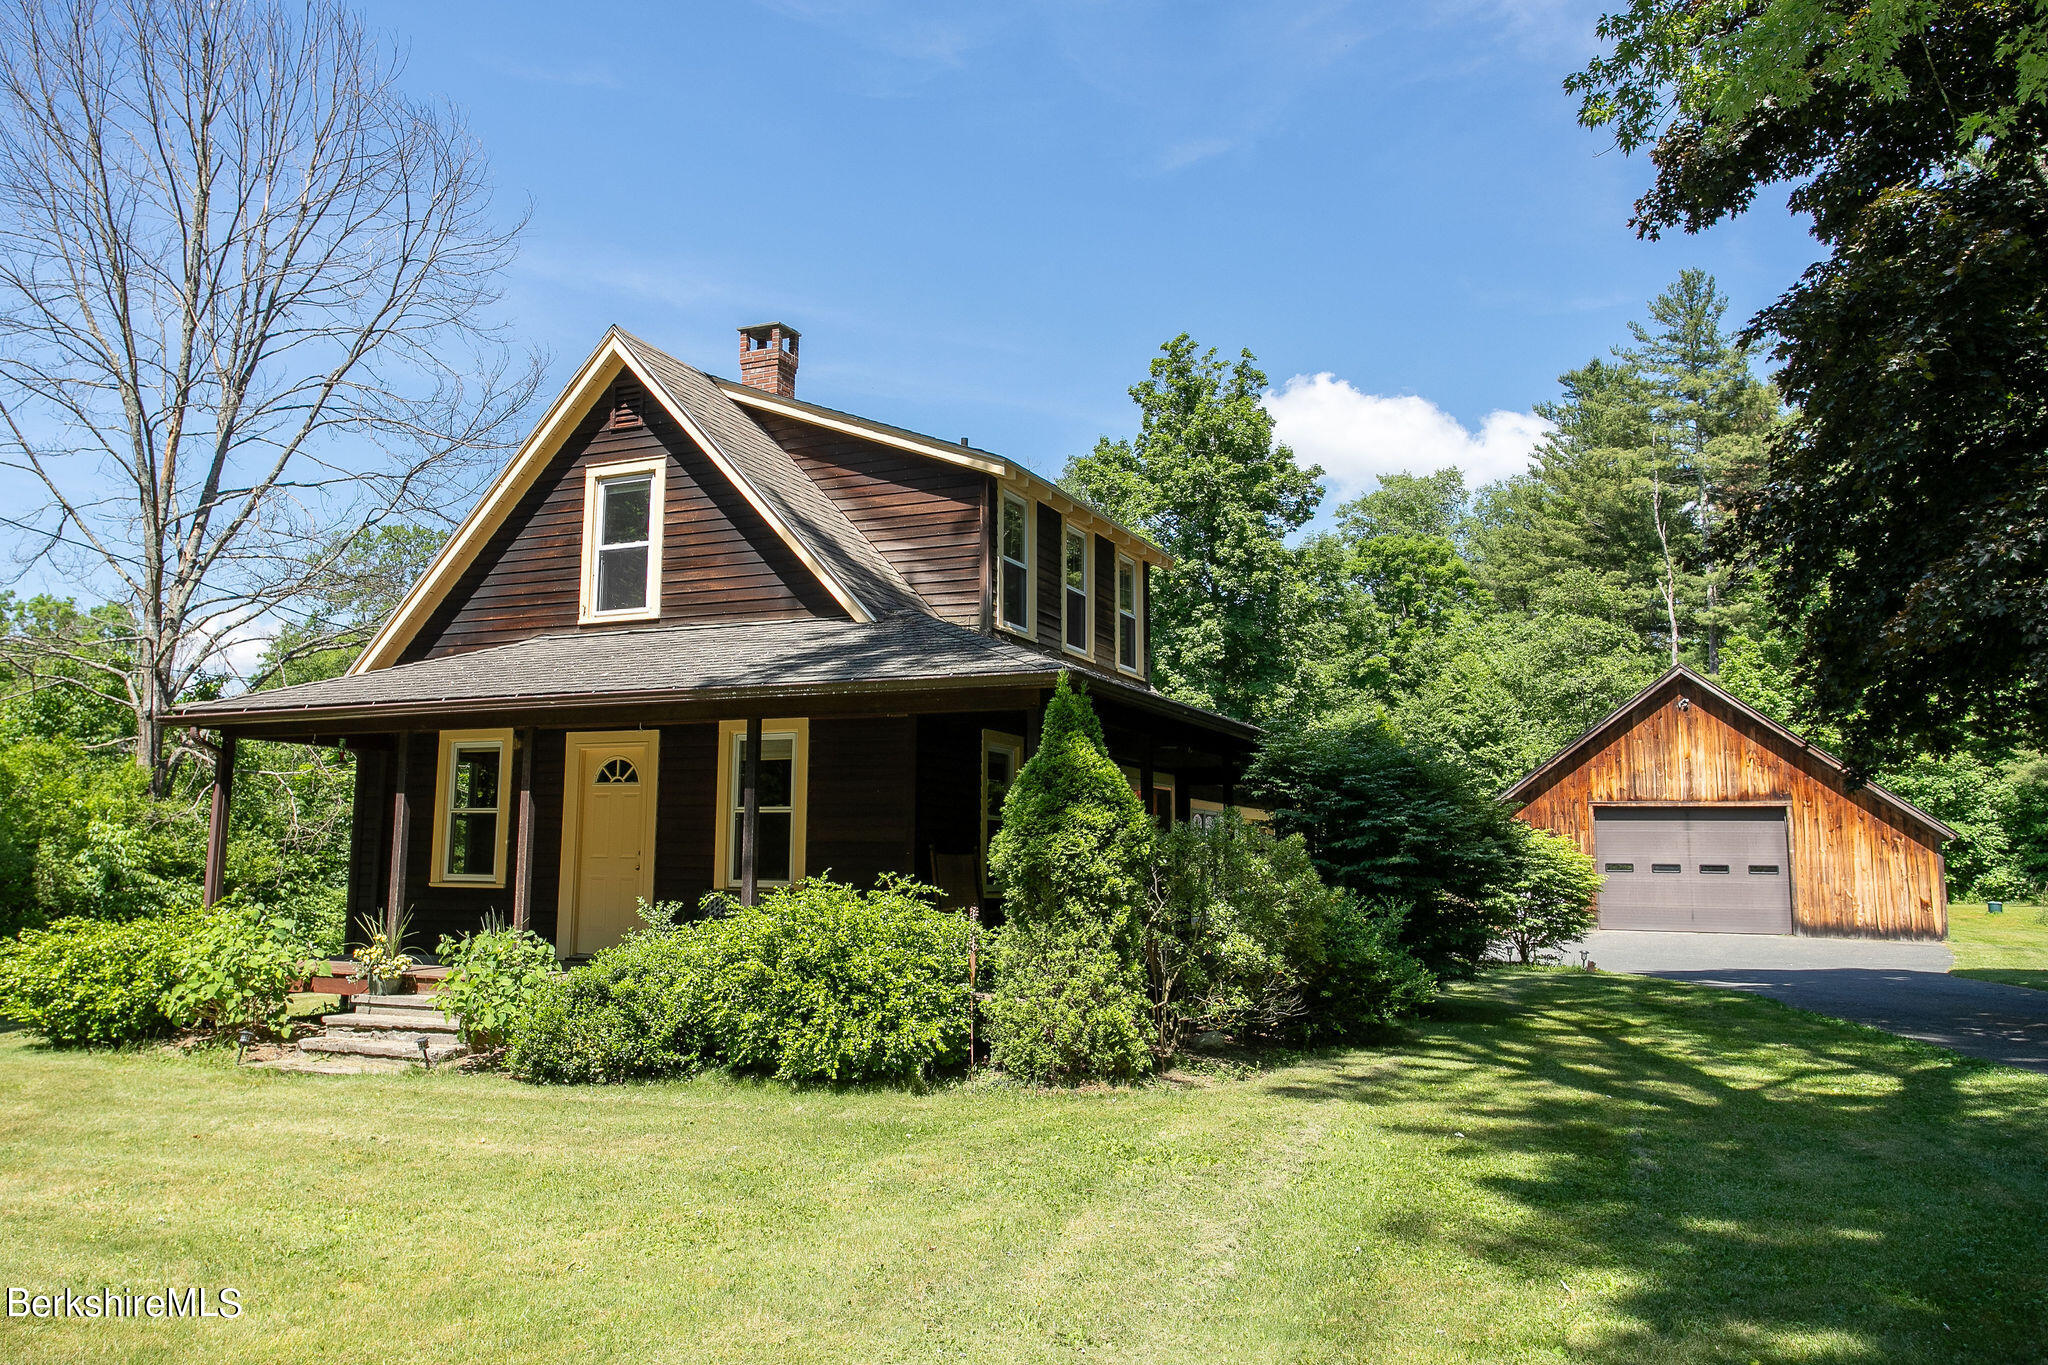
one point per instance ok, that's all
(612, 811)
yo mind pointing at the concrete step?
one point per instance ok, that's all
(424, 1000)
(400, 1046)
(378, 1020)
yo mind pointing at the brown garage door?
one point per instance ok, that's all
(1723, 869)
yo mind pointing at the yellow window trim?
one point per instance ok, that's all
(444, 773)
(574, 749)
(1069, 532)
(729, 732)
(1137, 619)
(587, 613)
(1030, 506)
(995, 739)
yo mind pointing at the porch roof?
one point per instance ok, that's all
(687, 663)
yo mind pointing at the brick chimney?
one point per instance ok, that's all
(768, 358)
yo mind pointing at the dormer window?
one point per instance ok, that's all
(1013, 565)
(622, 540)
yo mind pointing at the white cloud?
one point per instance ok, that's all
(1357, 436)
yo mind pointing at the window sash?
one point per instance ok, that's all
(1127, 615)
(1075, 604)
(1014, 546)
(775, 856)
(473, 814)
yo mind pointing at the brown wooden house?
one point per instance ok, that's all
(699, 635)
(1704, 814)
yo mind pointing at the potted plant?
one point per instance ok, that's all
(382, 961)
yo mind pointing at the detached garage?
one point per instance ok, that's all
(1703, 814)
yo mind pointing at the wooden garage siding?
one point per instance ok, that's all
(1858, 867)
(923, 514)
(720, 561)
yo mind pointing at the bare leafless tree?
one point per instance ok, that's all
(245, 285)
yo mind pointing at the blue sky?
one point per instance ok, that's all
(985, 218)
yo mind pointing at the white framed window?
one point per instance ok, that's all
(1203, 814)
(782, 800)
(470, 791)
(1002, 755)
(1074, 624)
(1130, 616)
(1015, 598)
(622, 524)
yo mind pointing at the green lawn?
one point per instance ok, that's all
(1558, 1166)
(2012, 947)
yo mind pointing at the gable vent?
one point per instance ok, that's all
(625, 410)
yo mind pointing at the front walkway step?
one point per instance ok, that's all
(404, 1047)
(423, 1000)
(414, 1021)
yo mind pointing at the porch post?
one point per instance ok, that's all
(1033, 719)
(522, 853)
(750, 811)
(401, 829)
(217, 824)
(1145, 778)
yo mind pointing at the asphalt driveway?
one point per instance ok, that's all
(1903, 988)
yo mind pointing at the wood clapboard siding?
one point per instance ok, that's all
(863, 792)
(923, 514)
(1859, 866)
(720, 561)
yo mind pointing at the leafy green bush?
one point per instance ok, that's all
(1388, 821)
(1067, 1007)
(824, 982)
(1550, 901)
(494, 976)
(233, 970)
(820, 981)
(1360, 977)
(92, 983)
(1071, 863)
(633, 1012)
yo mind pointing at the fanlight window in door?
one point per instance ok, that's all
(776, 802)
(617, 770)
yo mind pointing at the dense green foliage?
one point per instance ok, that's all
(494, 976)
(233, 969)
(1387, 820)
(93, 983)
(819, 981)
(1069, 1000)
(1904, 510)
(1244, 938)
(1550, 901)
(1233, 619)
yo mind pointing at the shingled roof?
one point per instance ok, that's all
(790, 495)
(684, 663)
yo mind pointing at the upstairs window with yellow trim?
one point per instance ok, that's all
(622, 506)
(1013, 565)
(1074, 623)
(1130, 646)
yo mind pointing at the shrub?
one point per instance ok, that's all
(1067, 1007)
(1388, 821)
(1072, 850)
(632, 1012)
(493, 978)
(1360, 977)
(1231, 913)
(92, 983)
(1550, 901)
(1071, 863)
(820, 981)
(824, 982)
(233, 970)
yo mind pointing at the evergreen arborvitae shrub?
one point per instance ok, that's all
(1071, 859)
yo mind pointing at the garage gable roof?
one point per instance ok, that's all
(1677, 675)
